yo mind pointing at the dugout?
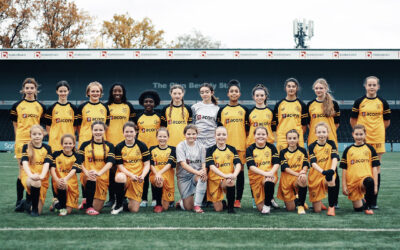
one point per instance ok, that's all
(139, 70)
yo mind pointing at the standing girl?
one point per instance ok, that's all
(191, 171)
(95, 157)
(224, 163)
(260, 115)
(176, 116)
(91, 111)
(234, 117)
(63, 172)
(133, 161)
(205, 115)
(323, 159)
(374, 113)
(148, 124)
(324, 109)
(36, 159)
(294, 166)
(162, 164)
(360, 175)
(263, 163)
(24, 114)
(60, 117)
(290, 113)
(121, 111)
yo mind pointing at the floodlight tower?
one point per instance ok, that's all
(302, 31)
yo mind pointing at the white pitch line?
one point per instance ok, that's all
(196, 229)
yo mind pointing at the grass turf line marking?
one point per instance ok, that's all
(196, 229)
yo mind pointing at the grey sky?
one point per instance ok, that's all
(265, 24)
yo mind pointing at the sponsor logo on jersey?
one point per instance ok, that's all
(221, 165)
(58, 120)
(192, 162)
(30, 116)
(318, 115)
(233, 120)
(132, 161)
(171, 122)
(117, 117)
(352, 162)
(148, 130)
(263, 163)
(290, 115)
(93, 119)
(260, 124)
(205, 117)
(370, 113)
(160, 163)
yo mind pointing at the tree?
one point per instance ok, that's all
(63, 24)
(125, 32)
(195, 40)
(15, 17)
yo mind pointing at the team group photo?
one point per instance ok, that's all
(199, 125)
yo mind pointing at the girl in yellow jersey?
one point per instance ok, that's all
(95, 158)
(176, 116)
(324, 109)
(133, 161)
(162, 164)
(374, 113)
(24, 114)
(121, 111)
(61, 117)
(294, 166)
(260, 115)
(223, 164)
(263, 163)
(360, 175)
(91, 111)
(148, 124)
(234, 117)
(323, 159)
(63, 172)
(36, 159)
(290, 113)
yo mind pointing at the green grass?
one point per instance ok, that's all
(388, 216)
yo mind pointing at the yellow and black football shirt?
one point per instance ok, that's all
(223, 159)
(371, 112)
(162, 156)
(26, 113)
(61, 118)
(316, 114)
(236, 121)
(132, 157)
(260, 117)
(323, 154)
(148, 124)
(119, 115)
(358, 160)
(175, 121)
(95, 155)
(42, 155)
(295, 160)
(64, 163)
(87, 114)
(290, 115)
(263, 158)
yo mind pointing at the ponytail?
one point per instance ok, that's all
(327, 104)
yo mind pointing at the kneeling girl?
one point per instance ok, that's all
(223, 164)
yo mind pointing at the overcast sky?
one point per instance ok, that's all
(265, 24)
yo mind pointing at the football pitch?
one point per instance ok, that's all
(181, 229)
